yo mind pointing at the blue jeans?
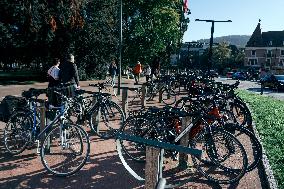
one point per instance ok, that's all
(112, 80)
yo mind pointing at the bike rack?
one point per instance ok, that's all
(157, 144)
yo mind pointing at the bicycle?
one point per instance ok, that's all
(62, 140)
(105, 117)
(219, 146)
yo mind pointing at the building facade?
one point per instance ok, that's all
(265, 50)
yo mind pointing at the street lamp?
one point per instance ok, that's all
(120, 46)
(211, 38)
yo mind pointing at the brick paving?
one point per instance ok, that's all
(103, 170)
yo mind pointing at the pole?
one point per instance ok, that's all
(210, 53)
(210, 48)
(120, 46)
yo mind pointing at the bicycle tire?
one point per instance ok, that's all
(76, 145)
(18, 127)
(252, 145)
(214, 160)
(112, 120)
(137, 126)
(168, 96)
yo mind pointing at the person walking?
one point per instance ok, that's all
(155, 67)
(53, 74)
(136, 71)
(113, 71)
(147, 72)
(69, 73)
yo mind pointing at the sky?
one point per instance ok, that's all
(243, 13)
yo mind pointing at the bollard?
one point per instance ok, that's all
(144, 92)
(151, 167)
(97, 115)
(42, 124)
(183, 158)
(125, 100)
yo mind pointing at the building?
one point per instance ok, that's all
(190, 53)
(265, 50)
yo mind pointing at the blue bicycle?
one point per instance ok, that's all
(64, 148)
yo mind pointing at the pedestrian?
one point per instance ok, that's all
(147, 72)
(53, 74)
(155, 67)
(69, 73)
(113, 71)
(53, 81)
(136, 71)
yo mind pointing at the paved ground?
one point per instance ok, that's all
(104, 169)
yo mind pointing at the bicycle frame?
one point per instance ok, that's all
(193, 123)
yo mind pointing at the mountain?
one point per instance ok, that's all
(238, 40)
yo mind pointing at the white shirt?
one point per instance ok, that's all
(54, 72)
(148, 71)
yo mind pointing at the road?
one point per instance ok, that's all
(253, 87)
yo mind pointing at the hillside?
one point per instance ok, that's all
(238, 40)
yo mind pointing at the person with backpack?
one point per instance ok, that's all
(69, 73)
(136, 71)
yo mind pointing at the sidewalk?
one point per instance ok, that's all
(104, 169)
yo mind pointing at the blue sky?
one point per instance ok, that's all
(243, 13)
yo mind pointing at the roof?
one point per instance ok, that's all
(264, 39)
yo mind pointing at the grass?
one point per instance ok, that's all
(21, 77)
(268, 115)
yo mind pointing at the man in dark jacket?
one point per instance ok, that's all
(68, 72)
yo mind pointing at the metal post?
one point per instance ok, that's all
(120, 46)
(210, 63)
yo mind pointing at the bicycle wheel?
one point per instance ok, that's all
(168, 96)
(106, 120)
(223, 160)
(65, 149)
(251, 144)
(17, 132)
(137, 126)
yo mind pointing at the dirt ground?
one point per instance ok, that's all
(103, 170)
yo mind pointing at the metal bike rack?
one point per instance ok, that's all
(153, 143)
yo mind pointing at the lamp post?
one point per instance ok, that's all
(211, 39)
(120, 46)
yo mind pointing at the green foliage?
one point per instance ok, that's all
(45, 29)
(269, 118)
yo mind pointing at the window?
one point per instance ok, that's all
(253, 52)
(270, 43)
(252, 62)
(282, 53)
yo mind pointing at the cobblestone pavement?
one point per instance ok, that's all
(103, 170)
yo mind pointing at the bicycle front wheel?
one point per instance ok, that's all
(65, 149)
(224, 159)
(168, 96)
(106, 120)
(17, 132)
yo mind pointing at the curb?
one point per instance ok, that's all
(271, 181)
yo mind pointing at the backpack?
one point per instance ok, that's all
(9, 104)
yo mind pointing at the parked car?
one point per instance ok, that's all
(229, 74)
(239, 76)
(273, 82)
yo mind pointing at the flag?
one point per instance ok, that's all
(185, 6)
